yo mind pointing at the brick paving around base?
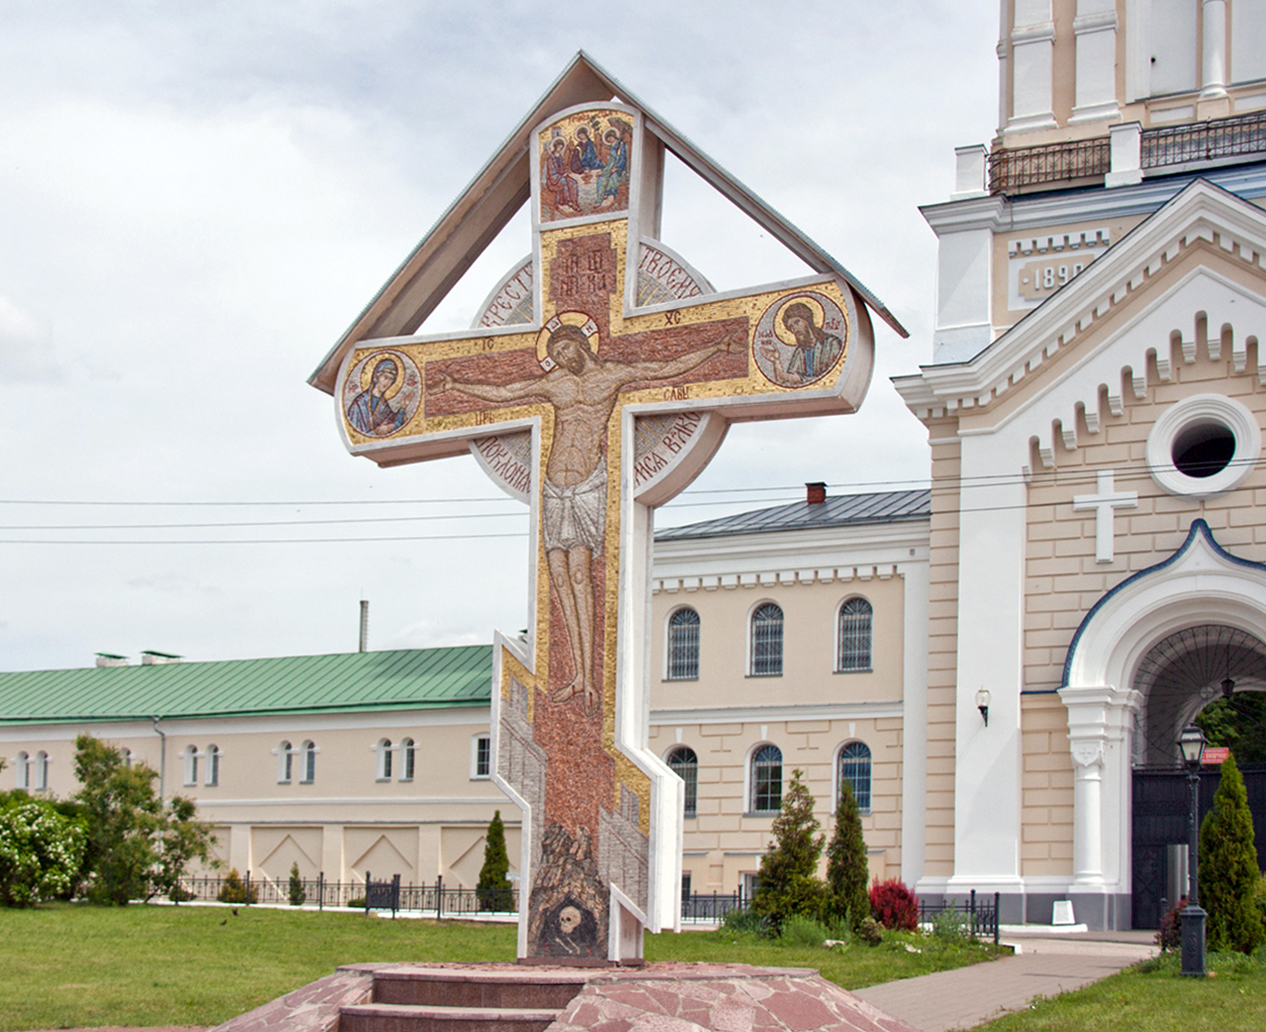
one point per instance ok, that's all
(959, 999)
(966, 997)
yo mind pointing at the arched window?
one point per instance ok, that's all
(127, 757)
(767, 779)
(41, 771)
(307, 755)
(853, 644)
(285, 763)
(683, 645)
(191, 765)
(855, 772)
(481, 756)
(213, 764)
(767, 641)
(383, 748)
(22, 771)
(685, 764)
(407, 759)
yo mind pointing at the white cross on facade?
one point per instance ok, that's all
(1105, 502)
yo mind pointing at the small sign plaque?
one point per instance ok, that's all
(1216, 754)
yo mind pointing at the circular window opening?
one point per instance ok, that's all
(1203, 450)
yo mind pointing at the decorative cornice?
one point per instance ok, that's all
(1200, 213)
(776, 714)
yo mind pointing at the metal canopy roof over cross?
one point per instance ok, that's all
(596, 382)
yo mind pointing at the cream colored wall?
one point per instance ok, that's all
(1046, 846)
(809, 642)
(1003, 313)
(723, 842)
(942, 650)
(346, 821)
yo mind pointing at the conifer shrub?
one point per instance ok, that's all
(234, 889)
(494, 891)
(788, 881)
(893, 905)
(1228, 868)
(846, 869)
(297, 892)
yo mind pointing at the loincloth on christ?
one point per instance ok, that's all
(576, 516)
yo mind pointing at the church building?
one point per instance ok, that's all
(1094, 410)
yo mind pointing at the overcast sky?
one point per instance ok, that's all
(196, 199)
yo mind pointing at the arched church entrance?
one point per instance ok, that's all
(1153, 652)
(1211, 669)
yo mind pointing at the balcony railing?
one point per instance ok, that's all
(1204, 141)
(1023, 169)
(1010, 171)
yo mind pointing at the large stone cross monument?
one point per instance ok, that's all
(596, 382)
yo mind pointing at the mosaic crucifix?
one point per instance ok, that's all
(596, 383)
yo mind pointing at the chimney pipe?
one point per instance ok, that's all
(816, 493)
(364, 625)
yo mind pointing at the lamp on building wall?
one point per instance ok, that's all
(1191, 743)
(982, 703)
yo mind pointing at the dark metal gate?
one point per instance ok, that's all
(1161, 799)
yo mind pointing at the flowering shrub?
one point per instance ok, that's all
(40, 853)
(894, 905)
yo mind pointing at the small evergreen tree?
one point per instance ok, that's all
(1228, 867)
(788, 882)
(846, 870)
(297, 892)
(494, 890)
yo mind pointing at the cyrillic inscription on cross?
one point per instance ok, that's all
(625, 406)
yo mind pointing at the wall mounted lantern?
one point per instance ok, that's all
(982, 703)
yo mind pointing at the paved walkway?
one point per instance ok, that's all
(1042, 966)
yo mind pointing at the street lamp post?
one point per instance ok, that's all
(1191, 742)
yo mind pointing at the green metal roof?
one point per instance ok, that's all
(341, 683)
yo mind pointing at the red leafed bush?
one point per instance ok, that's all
(894, 905)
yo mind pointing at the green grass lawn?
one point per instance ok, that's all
(1154, 997)
(68, 966)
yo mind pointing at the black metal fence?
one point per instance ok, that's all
(437, 899)
(711, 907)
(975, 917)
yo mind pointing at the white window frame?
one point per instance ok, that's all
(474, 756)
(383, 750)
(668, 762)
(213, 765)
(408, 758)
(836, 780)
(41, 771)
(285, 762)
(668, 644)
(190, 754)
(749, 789)
(307, 762)
(751, 639)
(1196, 410)
(22, 771)
(870, 645)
